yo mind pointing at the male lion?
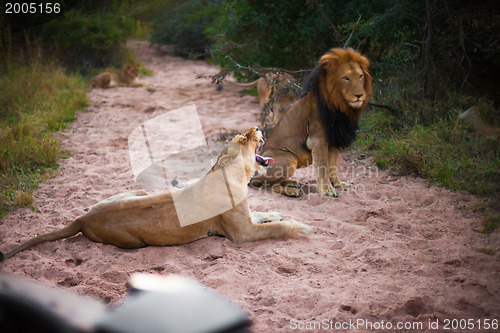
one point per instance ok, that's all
(136, 219)
(278, 85)
(126, 78)
(322, 121)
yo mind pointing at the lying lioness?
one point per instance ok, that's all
(137, 219)
(126, 78)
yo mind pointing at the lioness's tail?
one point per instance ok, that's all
(65, 232)
(243, 85)
(471, 117)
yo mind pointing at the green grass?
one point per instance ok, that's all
(35, 101)
(426, 139)
(490, 224)
(144, 71)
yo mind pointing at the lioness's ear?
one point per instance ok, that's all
(241, 139)
(228, 156)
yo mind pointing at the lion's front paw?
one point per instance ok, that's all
(339, 184)
(328, 190)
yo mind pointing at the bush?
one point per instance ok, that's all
(40, 99)
(182, 24)
(83, 40)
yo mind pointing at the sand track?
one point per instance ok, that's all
(390, 248)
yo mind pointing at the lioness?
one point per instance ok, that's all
(278, 85)
(322, 121)
(126, 78)
(471, 117)
(137, 219)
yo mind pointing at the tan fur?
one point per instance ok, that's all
(128, 77)
(470, 116)
(137, 219)
(276, 84)
(299, 139)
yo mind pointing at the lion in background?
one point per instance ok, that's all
(320, 123)
(275, 86)
(128, 77)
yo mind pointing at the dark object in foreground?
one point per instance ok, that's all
(155, 304)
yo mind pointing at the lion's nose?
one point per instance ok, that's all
(359, 96)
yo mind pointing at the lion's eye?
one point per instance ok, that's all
(361, 76)
(345, 78)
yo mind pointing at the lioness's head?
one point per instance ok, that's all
(132, 70)
(345, 81)
(246, 145)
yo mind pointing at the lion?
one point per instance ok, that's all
(274, 84)
(321, 122)
(470, 116)
(214, 205)
(128, 77)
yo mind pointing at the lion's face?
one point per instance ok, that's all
(351, 82)
(346, 83)
(132, 71)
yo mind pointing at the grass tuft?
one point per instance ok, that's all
(35, 100)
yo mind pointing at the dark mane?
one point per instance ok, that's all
(339, 128)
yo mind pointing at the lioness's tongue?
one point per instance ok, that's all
(263, 160)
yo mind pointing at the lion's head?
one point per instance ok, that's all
(344, 82)
(342, 87)
(132, 70)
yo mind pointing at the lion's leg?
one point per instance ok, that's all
(333, 156)
(135, 83)
(320, 159)
(277, 175)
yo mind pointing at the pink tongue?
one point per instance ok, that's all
(264, 160)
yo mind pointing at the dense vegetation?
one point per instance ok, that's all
(41, 57)
(431, 60)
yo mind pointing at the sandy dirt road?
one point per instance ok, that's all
(392, 249)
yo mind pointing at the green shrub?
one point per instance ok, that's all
(83, 40)
(39, 99)
(182, 24)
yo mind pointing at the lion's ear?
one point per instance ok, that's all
(328, 60)
(364, 63)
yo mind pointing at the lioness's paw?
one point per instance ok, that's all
(261, 217)
(300, 229)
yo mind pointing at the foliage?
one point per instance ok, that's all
(182, 24)
(40, 99)
(88, 40)
(490, 224)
